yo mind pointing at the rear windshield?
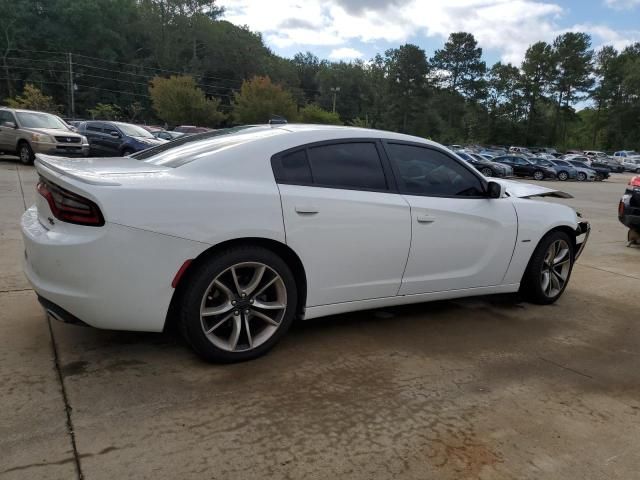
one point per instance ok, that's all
(188, 148)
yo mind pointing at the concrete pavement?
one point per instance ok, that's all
(475, 388)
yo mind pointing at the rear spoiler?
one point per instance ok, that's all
(53, 167)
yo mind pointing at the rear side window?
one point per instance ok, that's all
(347, 165)
(423, 171)
(352, 165)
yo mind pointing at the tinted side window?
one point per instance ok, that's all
(293, 168)
(6, 117)
(347, 165)
(93, 127)
(423, 171)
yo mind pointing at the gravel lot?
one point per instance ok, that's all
(475, 388)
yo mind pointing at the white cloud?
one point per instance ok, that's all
(345, 53)
(622, 4)
(508, 26)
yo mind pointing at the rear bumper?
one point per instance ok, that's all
(582, 235)
(110, 277)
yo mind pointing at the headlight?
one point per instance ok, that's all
(84, 139)
(41, 137)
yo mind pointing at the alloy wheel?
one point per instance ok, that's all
(486, 172)
(555, 268)
(582, 176)
(243, 307)
(563, 176)
(538, 175)
(25, 154)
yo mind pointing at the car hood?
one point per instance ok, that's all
(528, 190)
(53, 132)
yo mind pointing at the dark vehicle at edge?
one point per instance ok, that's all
(108, 139)
(629, 209)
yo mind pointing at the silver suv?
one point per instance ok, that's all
(25, 133)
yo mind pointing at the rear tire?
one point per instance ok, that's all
(25, 153)
(549, 269)
(487, 172)
(563, 176)
(582, 177)
(238, 304)
(538, 175)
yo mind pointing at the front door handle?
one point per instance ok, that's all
(306, 209)
(423, 218)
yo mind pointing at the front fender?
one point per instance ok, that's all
(535, 219)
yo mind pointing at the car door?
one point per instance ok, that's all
(7, 134)
(94, 133)
(343, 218)
(460, 238)
(113, 138)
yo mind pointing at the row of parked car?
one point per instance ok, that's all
(27, 132)
(520, 162)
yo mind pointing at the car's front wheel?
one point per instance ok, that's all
(487, 172)
(238, 304)
(563, 176)
(549, 269)
(582, 177)
(538, 175)
(25, 153)
(127, 151)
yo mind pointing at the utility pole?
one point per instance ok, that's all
(72, 107)
(335, 90)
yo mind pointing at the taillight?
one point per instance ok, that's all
(70, 207)
(635, 181)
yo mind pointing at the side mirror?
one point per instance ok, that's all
(114, 134)
(9, 125)
(495, 190)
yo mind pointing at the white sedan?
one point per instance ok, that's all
(234, 233)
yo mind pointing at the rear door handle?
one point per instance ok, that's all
(306, 209)
(423, 218)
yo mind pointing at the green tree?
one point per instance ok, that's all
(259, 99)
(103, 111)
(178, 100)
(537, 74)
(460, 65)
(32, 98)
(313, 113)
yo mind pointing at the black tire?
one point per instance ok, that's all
(538, 175)
(637, 170)
(127, 151)
(487, 172)
(582, 177)
(198, 285)
(531, 287)
(599, 177)
(563, 176)
(25, 153)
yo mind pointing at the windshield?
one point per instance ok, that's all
(561, 162)
(189, 148)
(133, 130)
(40, 120)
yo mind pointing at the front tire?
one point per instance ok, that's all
(538, 175)
(25, 153)
(563, 176)
(238, 304)
(126, 152)
(487, 172)
(549, 269)
(582, 177)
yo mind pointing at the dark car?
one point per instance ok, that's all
(523, 167)
(484, 166)
(612, 165)
(629, 209)
(190, 129)
(108, 139)
(167, 135)
(602, 173)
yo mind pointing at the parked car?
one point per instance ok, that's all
(26, 132)
(108, 139)
(523, 167)
(593, 154)
(190, 129)
(624, 154)
(609, 163)
(601, 173)
(519, 150)
(563, 173)
(239, 231)
(167, 135)
(631, 164)
(486, 167)
(629, 210)
(565, 170)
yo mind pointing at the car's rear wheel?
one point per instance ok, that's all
(238, 304)
(487, 172)
(549, 269)
(538, 175)
(563, 176)
(582, 177)
(25, 153)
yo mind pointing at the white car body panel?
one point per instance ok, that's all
(346, 229)
(480, 231)
(354, 250)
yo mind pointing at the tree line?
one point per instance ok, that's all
(178, 61)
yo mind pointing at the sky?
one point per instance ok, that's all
(358, 29)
